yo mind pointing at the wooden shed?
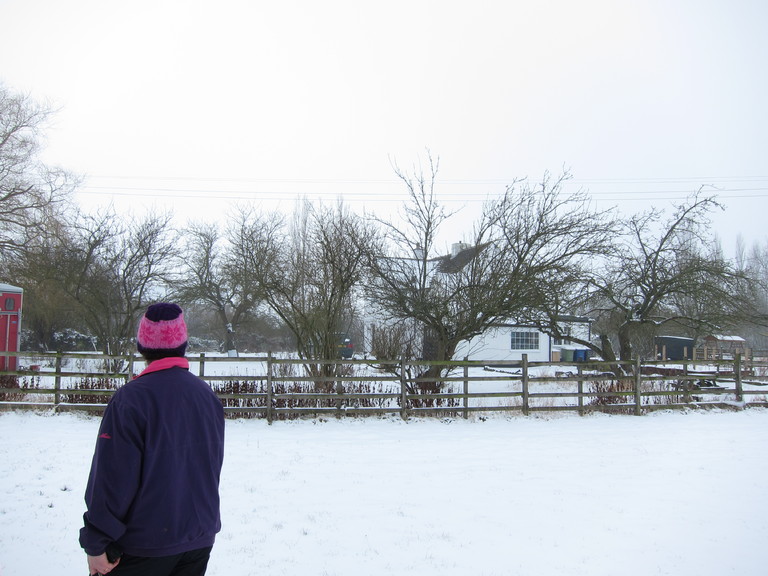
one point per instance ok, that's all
(724, 346)
(10, 324)
(674, 347)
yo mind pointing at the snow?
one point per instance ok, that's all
(666, 493)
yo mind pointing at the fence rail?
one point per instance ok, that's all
(279, 388)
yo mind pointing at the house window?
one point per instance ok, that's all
(525, 340)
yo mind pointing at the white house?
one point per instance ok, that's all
(508, 343)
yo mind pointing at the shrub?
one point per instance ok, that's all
(24, 387)
(304, 396)
(607, 392)
(10, 383)
(101, 384)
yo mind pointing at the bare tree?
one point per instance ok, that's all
(48, 308)
(753, 264)
(526, 255)
(551, 240)
(312, 280)
(406, 291)
(660, 274)
(31, 193)
(114, 268)
(221, 268)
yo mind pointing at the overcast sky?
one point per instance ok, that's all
(196, 104)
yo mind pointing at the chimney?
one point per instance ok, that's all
(458, 247)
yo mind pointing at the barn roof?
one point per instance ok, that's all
(727, 338)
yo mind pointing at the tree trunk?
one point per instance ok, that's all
(625, 343)
(431, 379)
(609, 355)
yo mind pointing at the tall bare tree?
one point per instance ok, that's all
(753, 264)
(115, 266)
(662, 274)
(526, 255)
(49, 309)
(312, 281)
(31, 193)
(401, 293)
(221, 267)
(552, 239)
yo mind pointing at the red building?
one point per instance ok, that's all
(10, 324)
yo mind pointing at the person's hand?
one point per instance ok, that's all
(100, 564)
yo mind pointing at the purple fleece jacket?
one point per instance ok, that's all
(154, 482)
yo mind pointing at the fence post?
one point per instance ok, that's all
(466, 388)
(403, 391)
(201, 367)
(129, 373)
(737, 373)
(57, 381)
(339, 385)
(638, 395)
(525, 385)
(687, 383)
(580, 384)
(270, 415)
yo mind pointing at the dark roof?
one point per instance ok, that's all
(450, 264)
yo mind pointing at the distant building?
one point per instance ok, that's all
(674, 347)
(508, 343)
(10, 324)
(723, 346)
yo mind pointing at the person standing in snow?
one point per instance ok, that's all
(153, 491)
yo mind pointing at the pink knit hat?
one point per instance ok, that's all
(162, 331)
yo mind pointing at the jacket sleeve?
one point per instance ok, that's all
(115, 475)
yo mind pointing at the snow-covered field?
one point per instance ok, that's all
(668, 493)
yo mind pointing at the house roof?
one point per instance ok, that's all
(564, 319)
(452, 263)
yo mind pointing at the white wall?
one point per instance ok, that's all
(496, 344)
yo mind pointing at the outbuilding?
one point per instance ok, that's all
(10, 324)
(724, 346)
(509, 342)
(674, 347)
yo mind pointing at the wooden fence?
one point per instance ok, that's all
(280, 388)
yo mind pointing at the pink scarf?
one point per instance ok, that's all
(165, 363)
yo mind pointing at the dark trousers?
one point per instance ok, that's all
(193, 563)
